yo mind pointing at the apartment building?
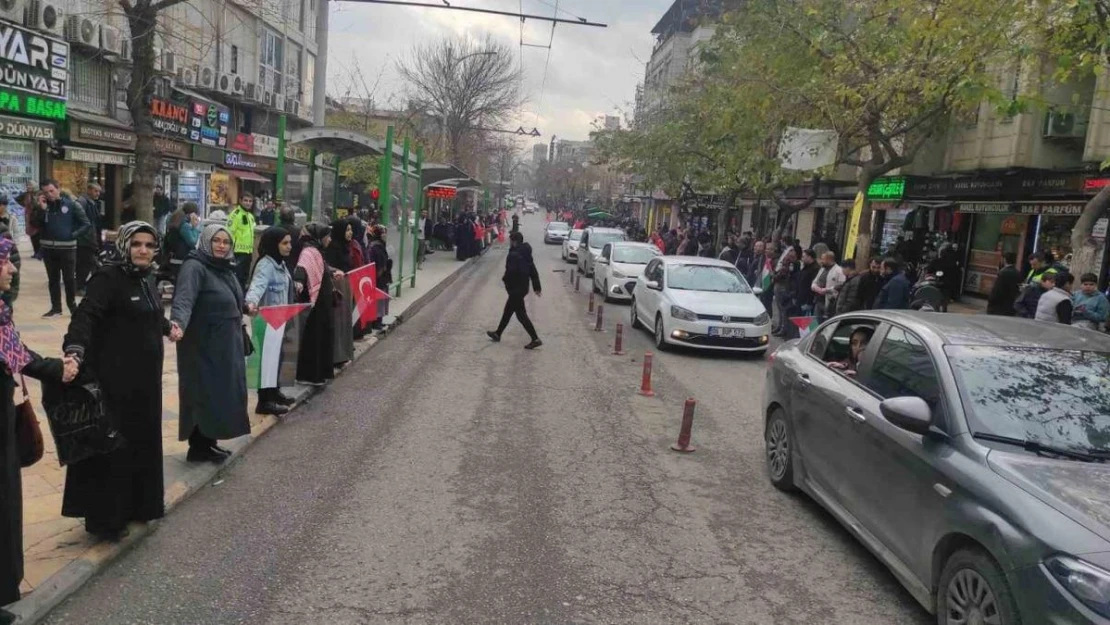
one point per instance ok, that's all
(685, 24)
(227, 70)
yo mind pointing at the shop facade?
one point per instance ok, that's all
(97, 150)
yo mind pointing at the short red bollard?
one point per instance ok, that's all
(645, 384)
(600, 313)
(683, 444)
(591, 310)
(618, 343)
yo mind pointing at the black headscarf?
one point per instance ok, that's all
(269, 244)
(314, 235)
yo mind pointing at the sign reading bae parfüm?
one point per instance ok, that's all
(33, 73)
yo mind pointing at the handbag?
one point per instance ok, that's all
(28, 434)
(81, 425)
(248, 344)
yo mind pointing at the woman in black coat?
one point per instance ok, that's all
(313, 281)
(15, 361)
(117, 336)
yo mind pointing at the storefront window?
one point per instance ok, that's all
(191, 188)
(1055, 236)
(220, 191)
(18, 164)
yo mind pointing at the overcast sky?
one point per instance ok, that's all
(592, 71)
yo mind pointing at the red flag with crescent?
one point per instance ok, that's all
(364, 287)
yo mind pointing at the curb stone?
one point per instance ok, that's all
(69, 579)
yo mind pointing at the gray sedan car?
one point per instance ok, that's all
(967, 452)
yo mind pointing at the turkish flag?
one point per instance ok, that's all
(364, 287)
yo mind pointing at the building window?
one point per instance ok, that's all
(293, 72)
(309, 85)
(90, 84)
(234, 59)
(270, 58)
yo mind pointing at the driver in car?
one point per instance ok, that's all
(857, 343)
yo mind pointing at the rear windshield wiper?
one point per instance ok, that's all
(1038, 447)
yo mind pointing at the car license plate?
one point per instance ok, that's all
(727, 333)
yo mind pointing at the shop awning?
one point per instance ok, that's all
(248, 175)
(599, 214)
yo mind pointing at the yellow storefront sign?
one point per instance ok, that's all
(853, 227)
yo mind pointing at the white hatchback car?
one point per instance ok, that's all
(593, 239)
(570, 246)
(618, 267)
(699, 302)
(555, 232)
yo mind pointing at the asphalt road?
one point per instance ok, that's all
(448, 479)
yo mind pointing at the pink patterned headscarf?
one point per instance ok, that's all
(13, 354)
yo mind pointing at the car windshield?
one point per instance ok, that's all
(558, 225)
(599, 239)
(1053, 396)
(575, 235)
(634, 255)
(706, 278)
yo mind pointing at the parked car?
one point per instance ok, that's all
(593, 239)
(967, 452)
(570, 245)
(699, 302)
(618, 267)
(556, 232)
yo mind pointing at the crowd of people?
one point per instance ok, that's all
(1048, 292)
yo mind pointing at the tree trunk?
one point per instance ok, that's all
(1086, 250)
(142, 19)
(863, 238)
(722, 221)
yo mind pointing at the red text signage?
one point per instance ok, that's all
(241, 142)
(1094, 185)
(442, 193)
(169, 118)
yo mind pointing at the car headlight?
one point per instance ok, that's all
(1086, 582)
(619, 275)
(679, 312)
(762, 319)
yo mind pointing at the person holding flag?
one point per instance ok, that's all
(271, 285)
(313, 282)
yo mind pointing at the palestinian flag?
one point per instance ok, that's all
(766, 276)
(805, 325)
(276, 334)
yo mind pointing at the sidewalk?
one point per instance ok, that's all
(59, 554)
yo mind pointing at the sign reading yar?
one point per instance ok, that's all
(32, 63)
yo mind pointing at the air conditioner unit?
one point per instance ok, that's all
(279, 102)
(12, 10)
(187, 76)
(1061, 125)
(225, 82)
(253, 92)
(267, 98)
(206, 78)
(82, 31)
(169, 62)
(125, 49)
(293, 106)
(111, 40)
(238, 85)
(157, 59)
(44, 16)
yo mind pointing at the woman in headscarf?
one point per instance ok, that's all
(338, 251)
(312, 279)
(379, 255)
(360, 245)
(116, 337)
(271, 285)
(16, 361)
(212, 376)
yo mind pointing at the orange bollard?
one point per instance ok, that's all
(600, 313)
(591, 310)
(618, 344)
(645, 383)
(683, 444)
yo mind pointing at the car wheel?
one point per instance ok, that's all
(780, 451)
(605, 292)
(972, 589)
(593, 283)
(634, 322)
(660, 338)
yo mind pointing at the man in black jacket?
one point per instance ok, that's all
(520, 270)
(63, 224)
(1007, 287)
(89, 243)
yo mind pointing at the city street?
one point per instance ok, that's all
(449, 479)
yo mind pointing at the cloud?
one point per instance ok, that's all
(591, 72)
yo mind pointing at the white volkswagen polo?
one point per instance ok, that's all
(699, 302)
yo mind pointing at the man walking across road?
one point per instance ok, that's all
(240, 223)
(520, 270)
(89, 243)
(64, 222)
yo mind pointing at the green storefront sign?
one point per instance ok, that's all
(31, 106)
(887, 189)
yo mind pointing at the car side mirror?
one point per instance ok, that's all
(653, 285)
(602, 260)
(909, 413)
(757, 290)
